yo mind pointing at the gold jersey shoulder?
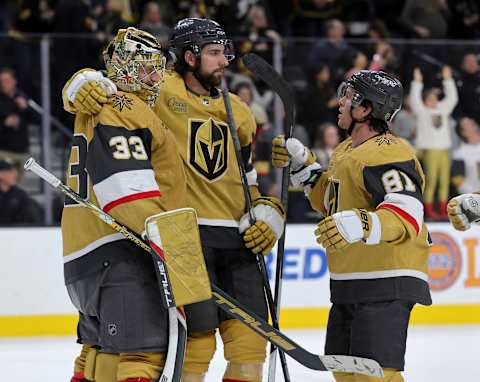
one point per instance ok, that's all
(125, 161)
(381, 149)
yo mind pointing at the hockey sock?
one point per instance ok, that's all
(140, 366)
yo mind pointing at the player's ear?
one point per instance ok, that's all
(190, 58)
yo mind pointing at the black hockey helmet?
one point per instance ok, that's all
(384, 92)
(194, 33)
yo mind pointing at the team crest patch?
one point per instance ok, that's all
(177, 106)
(384, 140)
(208, 152)
(121, 101)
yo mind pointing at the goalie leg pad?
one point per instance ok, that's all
(200, 350)
(244, 350)
(176, 234)
(90, 364)
(390, 375)
(148, 365)
(106, 367)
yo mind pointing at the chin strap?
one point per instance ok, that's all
(355, 121)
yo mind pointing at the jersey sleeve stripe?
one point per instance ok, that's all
(403, 214)
(409, 205)
(129, 198)
(121, 185)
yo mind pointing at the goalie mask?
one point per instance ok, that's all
(135, 62)
(193, 34)
(383, 91)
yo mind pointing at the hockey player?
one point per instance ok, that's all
(125, 160)
(373, 230)
(191, 105)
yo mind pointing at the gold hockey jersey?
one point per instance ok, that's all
(199, 124)
(125, 160)
(380, 174)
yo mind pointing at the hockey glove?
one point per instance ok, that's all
(303, 170)
(342, 229)
(261, 236)
(463, 210)
(88, 91)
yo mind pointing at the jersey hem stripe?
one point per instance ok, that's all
(379, 275)
(94, 245)
(403, 214)
(129, 198)
(218, 222)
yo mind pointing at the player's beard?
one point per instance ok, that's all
(211, 80)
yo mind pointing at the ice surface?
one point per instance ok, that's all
(434, 353)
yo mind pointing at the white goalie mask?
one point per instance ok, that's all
(136, 63)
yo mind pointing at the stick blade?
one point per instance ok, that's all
(264, 71)
(349, 364)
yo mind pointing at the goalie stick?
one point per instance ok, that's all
(248, 200)
(263, 70)
(333, 363)
(177, 325)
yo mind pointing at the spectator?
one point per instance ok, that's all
(333, 51)
(309, 16)
(245, 92)
(469, 88)
(152, 22)
(358, 16)
(433, 137)
(360, 62)
(465, 19)
(260, 37)
(384, 58)
(319, 104)
(465, 159)
(326, 139)
(427, 19)
(14, 136)
(404, 124)
(17, 207)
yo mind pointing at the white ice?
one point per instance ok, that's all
(434, 354)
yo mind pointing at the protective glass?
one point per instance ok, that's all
(346, 90)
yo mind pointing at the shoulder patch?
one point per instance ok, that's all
(385, 140)
(122, 101)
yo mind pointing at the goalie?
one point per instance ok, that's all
(125, 161)
(373, 230)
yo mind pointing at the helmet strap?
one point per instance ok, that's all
(356, 121)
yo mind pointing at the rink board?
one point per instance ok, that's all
(34, 300)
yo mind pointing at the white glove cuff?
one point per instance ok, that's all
(298, 152)
(108, 86)
(349, 226)
(271, 217)
(376, 230)
(79, 80)
(265, 213)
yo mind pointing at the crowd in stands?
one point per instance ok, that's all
(322, 43)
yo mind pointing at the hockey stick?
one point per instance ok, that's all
(334, 363)
(248, 200)
(177, 328)
(263, 70)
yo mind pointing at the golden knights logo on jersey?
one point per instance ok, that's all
(208, 151)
